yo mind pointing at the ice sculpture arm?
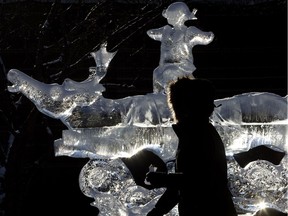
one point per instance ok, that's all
(197, 36)
(156, 34)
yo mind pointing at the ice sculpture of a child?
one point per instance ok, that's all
(177, 41)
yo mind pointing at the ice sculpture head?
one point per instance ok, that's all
(177, 13)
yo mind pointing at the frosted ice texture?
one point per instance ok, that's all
(177, 41)
(114, 190)
(104, 129)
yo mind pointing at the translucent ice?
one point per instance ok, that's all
(177, 41)
(115, 191)
(81, 104)
(58, 101)
(106, 130)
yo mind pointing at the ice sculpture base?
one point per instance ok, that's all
(116, 141)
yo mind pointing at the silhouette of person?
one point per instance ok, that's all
(199, 184)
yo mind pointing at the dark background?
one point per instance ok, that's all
(51, 41)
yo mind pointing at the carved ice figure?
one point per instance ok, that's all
(58, 101)
(252, 119)
(177, 41)
(115, 191)
(244, 122)
(147, 110)
(81, 104)
(104, 129)
(251, 107)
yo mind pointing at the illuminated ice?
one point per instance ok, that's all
(177, 41)
(58, 101)
(114, 190)
(106, 130)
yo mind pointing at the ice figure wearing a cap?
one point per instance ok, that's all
(177, 41)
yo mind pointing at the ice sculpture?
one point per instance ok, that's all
(58, 101)
(110, 132)
(177, 41)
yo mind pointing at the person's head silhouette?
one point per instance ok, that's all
(191, 99)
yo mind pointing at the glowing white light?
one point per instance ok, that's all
(262, 205)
